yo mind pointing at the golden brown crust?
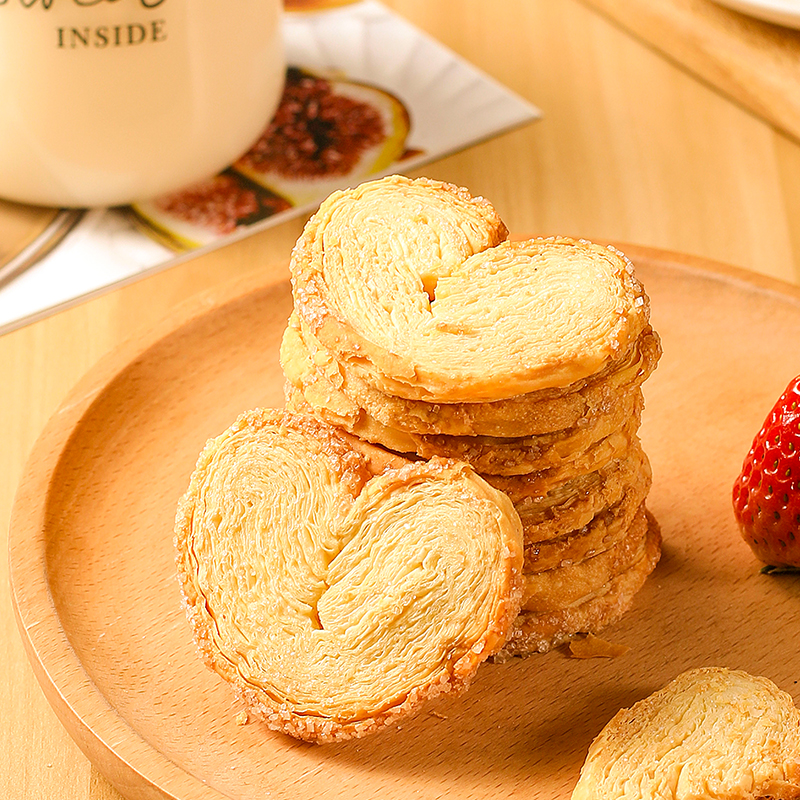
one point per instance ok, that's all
(334, 385)
(596, 457)
(571, 584)
(573, 504)
(538, 633)
(392, 277)
(604, 531)
(294, 556)
(710, 733)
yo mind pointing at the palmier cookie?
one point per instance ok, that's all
(414, 282)
(485, 454)
(333, 600)
(711, 732)
(327, 383)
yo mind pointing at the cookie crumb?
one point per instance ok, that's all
(591, 646)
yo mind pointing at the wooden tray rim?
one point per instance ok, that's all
(135, 768)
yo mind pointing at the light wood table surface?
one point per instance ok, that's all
(631, 148)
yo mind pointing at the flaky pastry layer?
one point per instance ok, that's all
(336, 386)
(539, 633)
(335, 600)
(571, 505)
(597, 456)
(710, 733)
(572, 583)
(413, 282)
(604, 531)
(485, 454)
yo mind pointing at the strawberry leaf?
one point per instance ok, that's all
(770, 569)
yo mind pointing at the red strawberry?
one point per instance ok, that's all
(766, 496)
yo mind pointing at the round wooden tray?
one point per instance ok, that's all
(98, 605)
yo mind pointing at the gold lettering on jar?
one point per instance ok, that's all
(46, 4)
(101, 36)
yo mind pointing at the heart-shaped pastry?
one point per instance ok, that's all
(335, 600)
(413, 283)
(711, 732)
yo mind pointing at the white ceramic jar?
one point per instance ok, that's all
(103, 102)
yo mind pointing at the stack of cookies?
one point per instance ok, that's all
(417, 326)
